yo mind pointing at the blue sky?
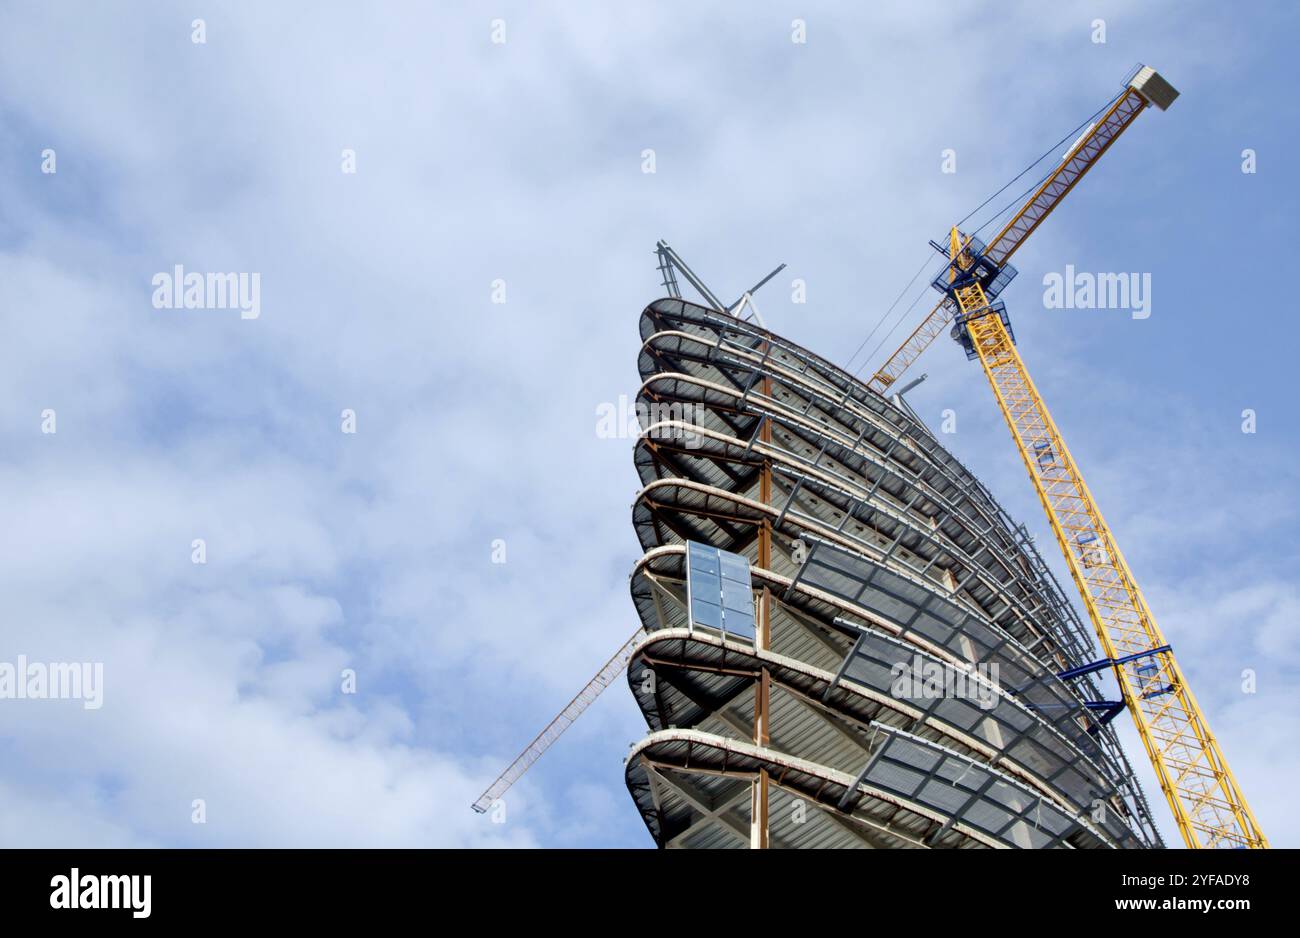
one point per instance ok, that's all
(476, 421)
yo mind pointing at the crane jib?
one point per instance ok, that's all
(1142, 87)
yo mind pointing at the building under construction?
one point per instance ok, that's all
(863, 550)
(844, 640)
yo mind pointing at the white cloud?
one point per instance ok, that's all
(475, 421)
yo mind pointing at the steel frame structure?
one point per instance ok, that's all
(903, 552)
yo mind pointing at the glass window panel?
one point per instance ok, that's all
(704, 562)
(706, 586)
(734, 567)
(740, 624)
(735, 596)
(706, 614)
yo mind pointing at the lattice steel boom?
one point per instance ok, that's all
(1202, 792)
(533, 751)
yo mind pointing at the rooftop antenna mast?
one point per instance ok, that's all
(671, 263)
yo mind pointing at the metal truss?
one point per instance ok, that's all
(1202, 792)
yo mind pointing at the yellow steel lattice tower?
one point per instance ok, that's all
(1202, 792)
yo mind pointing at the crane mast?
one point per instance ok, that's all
(1202, 792)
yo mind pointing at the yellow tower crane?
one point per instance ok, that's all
(1206, 801)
